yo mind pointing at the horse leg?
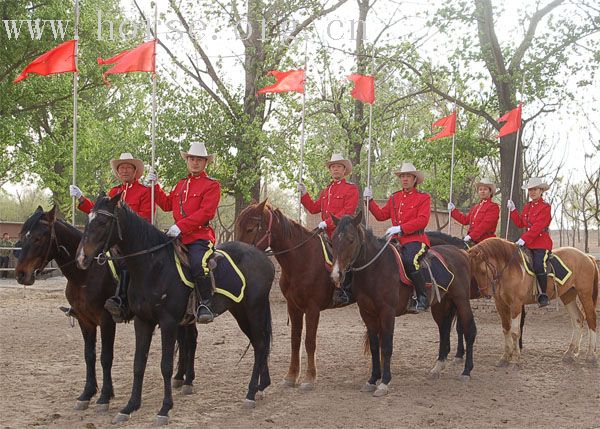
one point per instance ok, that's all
(589, 308)
(91, 385)
(168, 331)
(371, 385)
(191, 341)
(504, 312)
(296, 316)
(107, 333)
(387, 347)
(468, 323)
(460, 344)
(182, 359)
(577, 324)
(143, 339)
(443, 318)
(515, 334)
(310, 344)
(267, 332)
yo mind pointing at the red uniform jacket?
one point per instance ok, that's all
(136, 195)
(339, 198)
(536, 218)
(482, 219)
(410, 210)
(193, 201)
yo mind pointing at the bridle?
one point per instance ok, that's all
(359, 250)
(54, 240)
(496, 275)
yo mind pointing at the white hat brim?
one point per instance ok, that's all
(210, 158)
(345, 162)
(137, 163)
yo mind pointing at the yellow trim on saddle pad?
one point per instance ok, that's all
(113, 269)
(525, 264)
(569, 272)
(325, 255)
(180, 271)
(239, 273)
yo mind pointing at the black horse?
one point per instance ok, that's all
(438, 238)
(44, 238)
(158, 295)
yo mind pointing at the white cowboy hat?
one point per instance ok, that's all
(486, 182)
(536, 182)
(337, 158)
(198, 149)
(408, 167)
(127, 158)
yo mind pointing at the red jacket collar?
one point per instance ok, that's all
(201, 175)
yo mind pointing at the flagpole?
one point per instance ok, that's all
(153, 125)
(512, 181)
(370, 129)
(451, 178)
(75, 82)
(301, 172)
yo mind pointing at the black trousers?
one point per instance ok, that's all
(539, 258)
(411, 254)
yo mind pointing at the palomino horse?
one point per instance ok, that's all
(44, 238)
(158, 295)
(438, 238)
(498, 269)
(381, 296)
(305, 282)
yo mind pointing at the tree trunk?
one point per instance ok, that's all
(507, 153)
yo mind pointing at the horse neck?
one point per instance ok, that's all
(370, 247)
(69, 238)
(280, 241)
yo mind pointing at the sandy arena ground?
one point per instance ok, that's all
(42, 373)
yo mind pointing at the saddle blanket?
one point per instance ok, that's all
(434, 265)
(558, 269)
(229, 279)
(327, 253)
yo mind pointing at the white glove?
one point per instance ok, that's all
(152, 177)
(322, 225)
(368, 193)
(510, 205)
(173, 231)
(520, 242)
(467, 238)
(393, 230)
(451, 206)
(302, 188)
(74, 191)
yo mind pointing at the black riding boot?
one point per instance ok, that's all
(416, 306)
(204, 314)
(343, 295)
(542, 280)
(117, 305)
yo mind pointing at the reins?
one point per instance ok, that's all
(362, 267)
(497, 275)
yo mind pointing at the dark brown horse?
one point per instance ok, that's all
(305, 282)
(44, 238)
(381, 296)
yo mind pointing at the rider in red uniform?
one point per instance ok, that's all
(483, 216)
(536, 218)
(409, 210)
(339, 198)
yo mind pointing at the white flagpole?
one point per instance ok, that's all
(512, 181)
(303, 135)
(75, 81)
(153, 126)
(452, 177)
(370, 129)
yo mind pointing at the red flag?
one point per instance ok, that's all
(364, 88)
(513, 121)
(58, 60)
(449, 124)
(292, 80)
(140, 59)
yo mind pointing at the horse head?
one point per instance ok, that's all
(35, 241)
(102, 230)
(346, 243)
(253, 225)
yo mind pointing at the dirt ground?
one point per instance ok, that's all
(42, 372)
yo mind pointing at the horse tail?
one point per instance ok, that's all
(595, 285)
(268, 331)
(521, 327)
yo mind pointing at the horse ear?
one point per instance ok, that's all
(101, 194)
(262, 205)
(336, 220)
(357, 220)
(114, 200)
(39, 209)
(51, 215)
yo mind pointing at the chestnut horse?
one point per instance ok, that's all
(305, 282)
(381, 296)
(498, 269)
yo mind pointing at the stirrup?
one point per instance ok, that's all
(116, 309)
(414, 306)
(543, 300)
(69, 312)
(206, 316)
(340, 298)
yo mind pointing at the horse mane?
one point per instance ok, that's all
(37, 216)
(498, 249)
(291, 228)
(146, 235)
(345, 221)
(450, 239)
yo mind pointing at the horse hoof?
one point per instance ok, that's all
(502, 363)
(368, 388)
(592, 360)
(458, 360)
(260, 395)
(120, 418)
(187, 389)
(434, 375)
(102, 408)
(307, 386)
(568, 358)
(161, 420)
(249, 404)
(381, 390)
(82, 405)
(288, 383)
(176, 384)
(464, 377)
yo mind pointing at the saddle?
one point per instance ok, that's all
(557, 268)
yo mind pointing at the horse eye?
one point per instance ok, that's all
(249, 230)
